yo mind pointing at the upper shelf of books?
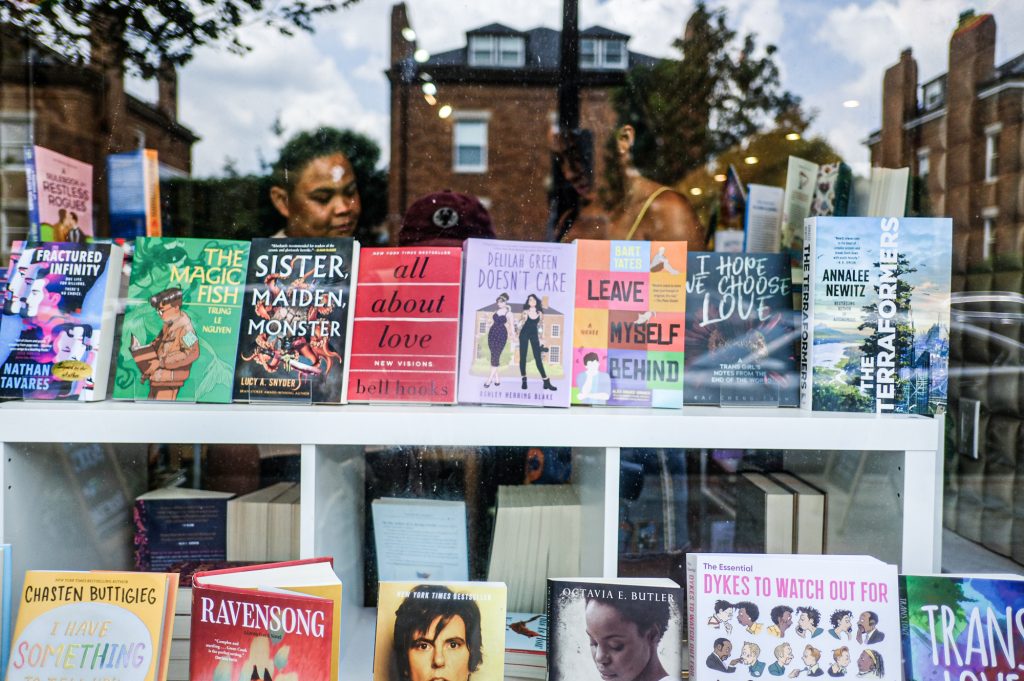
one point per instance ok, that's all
(696, 427)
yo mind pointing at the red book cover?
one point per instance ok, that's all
(406, 328)
(271, 635)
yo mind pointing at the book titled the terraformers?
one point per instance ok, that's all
(630, 322)
(875, 314)
(405, 336)
(788, 616)
(440, 630)
(93, 625)
(272, 621)
(294, 339)
(57, 328)
(614, 629)
(962, 627)
(517, 317)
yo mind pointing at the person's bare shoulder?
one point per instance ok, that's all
(672, 218)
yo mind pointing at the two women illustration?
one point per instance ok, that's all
(530, 327)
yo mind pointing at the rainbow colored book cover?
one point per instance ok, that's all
(962, 628)
(630, 321)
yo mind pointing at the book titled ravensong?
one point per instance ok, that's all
(875, 314)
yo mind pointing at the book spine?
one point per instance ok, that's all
(35, 233)
(807, 318)
(353, 275)
(905, 641)
(105, 347)
(691, 611)
(844, 189)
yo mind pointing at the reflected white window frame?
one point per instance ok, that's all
(595, 54)
(462, 120)
(992, 151)
(497, 51)
(924, 164)
(514, 46)
(12, 148)
(481, 50)
(932, 95)
(988, 231)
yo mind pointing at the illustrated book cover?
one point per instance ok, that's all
(741, 331)
(177, 524)
(295, 334)
(792, 616)
(283, 619)
(630, 320)
(440, 630)
(59, 196)
(962, 627)
(614, 629)
(875, 314)
(180, 329)
(86, 625)
(517, 319)
(405, 335)
(57, 327)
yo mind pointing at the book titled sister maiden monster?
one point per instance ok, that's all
(517, 315)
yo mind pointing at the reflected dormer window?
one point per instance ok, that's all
(491, 50)
(598, 53)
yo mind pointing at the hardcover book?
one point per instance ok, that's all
(87, 625)
(440, 630)
(630, 321)
(177, 524)
(405, 335)
(517, 314)
(962, 627)
(59, 196)
(741, 331)
(57, 328)
(614, 629)
(133, 187)
(294, 339)
(277, 621)
(875, 315)
(786, 616)
(180, 326)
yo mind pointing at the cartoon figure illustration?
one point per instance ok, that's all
(747, 614)
(36, 296)
(166, 361)
(870, 665)
(302, 353)
(595, 385)
(62, 228)
(782, 619)
(659, 262)
(867, 629)
(748, 656)
(723, 613)
(807, 619)
(531, 328)
(783, 656)
(75, 234)
(716, 660)
(842, 625)
(841, 660)
(810, 659)
(501, 327)
(73, 342)
(437, 638)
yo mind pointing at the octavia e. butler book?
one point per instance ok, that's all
(405, 336)
(517, 318)
(630, 322)
(741, 336)
(57, 328)
(181, 323)
(294, 340)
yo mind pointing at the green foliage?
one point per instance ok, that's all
(935, 591)
(836, 395)
(147, 33)
(688, 110)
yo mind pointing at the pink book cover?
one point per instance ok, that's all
(60, 193)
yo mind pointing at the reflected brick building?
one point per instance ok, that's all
(502, 90)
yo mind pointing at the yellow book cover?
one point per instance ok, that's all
(79, 626)
(440, 630)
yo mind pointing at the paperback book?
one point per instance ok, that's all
(177, 524)
(57, 328)
(587, 620)
(440, 630)
(133, 187)
(87, 625)
(517, 311)
(59, 196)
(875, 315)
(272, 621)
(630, 320)
(180, 326)
(294, 339)
(420, 539)
(405, 335)
(962, 627)
(741, 331)
(788, 616)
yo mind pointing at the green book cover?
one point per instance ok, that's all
(181, 324)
